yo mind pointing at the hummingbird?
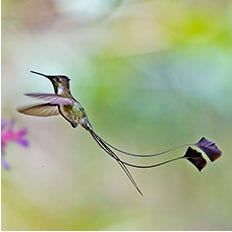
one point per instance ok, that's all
(61, 102)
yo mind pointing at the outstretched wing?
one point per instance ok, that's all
(51, 98)
(42, 110)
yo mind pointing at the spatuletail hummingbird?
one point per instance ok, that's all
(63, 103)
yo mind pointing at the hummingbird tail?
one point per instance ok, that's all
(191, 155)
(197, 160)
(124, 164)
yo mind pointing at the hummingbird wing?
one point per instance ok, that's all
(52, 98)
(42, 110)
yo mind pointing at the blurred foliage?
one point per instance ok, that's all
(151, 74)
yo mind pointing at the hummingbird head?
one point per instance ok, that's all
(59, 82)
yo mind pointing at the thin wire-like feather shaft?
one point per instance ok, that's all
(197, 160)
(143, 155)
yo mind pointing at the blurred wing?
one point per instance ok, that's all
(42, 110)
(51, 98)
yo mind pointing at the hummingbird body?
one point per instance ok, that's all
(68, 107)
(74, 114)
(62, 102)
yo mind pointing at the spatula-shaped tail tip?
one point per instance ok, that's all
(195, 158)
(209, 148)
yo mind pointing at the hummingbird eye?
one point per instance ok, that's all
(59, 79)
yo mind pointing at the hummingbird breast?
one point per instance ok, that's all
(71, 114)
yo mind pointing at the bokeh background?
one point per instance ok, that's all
(151, 75)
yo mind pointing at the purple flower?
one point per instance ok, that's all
(210, 148)
(8, 134)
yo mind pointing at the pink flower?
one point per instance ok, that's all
(8, 134)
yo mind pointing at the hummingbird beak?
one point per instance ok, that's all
(41, 74)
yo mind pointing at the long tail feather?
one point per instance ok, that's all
(198, 161)
(153, 165)
(142, 155)
(191, 155)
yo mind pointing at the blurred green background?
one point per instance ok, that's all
(151, 75)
